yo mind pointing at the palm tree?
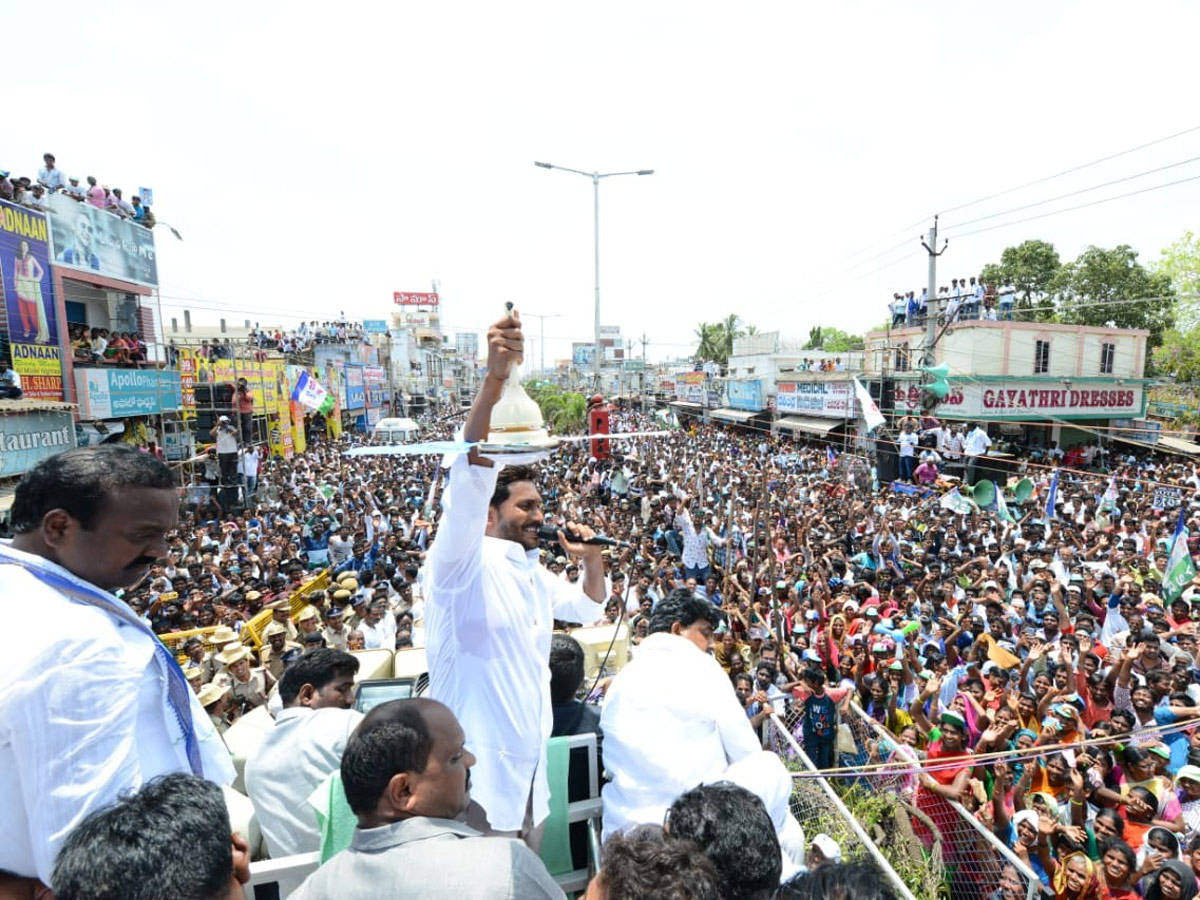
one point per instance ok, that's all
(731, 328)
(709, 337)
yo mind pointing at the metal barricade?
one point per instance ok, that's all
(821, 810)
(975, 862)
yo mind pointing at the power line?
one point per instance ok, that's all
(1094, 187)
(1068, 209)
(1095, 162)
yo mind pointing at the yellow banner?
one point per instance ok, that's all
(36, 359)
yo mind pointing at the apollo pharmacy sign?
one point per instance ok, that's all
(27, 439)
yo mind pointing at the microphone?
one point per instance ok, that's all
(550, 533)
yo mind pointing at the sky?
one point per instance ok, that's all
(315, 158)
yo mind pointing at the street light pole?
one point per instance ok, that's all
(597, 356)
(542, 340)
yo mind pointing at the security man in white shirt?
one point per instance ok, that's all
(97, 706)
(672, 720)
(490, 610)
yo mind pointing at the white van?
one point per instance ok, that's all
(396, 431)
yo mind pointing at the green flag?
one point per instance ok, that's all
(1180, 568)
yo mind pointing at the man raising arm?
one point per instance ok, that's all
(490, 609)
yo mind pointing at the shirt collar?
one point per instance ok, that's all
(406, 831)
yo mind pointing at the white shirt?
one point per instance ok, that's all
(489, 611)
(671, 721)
(953, 446)
(695, 543)
(381, 635)
(84, 717)
(908, 443)
(248, 464)
(226, 439)
(296, 756)
(977, 442)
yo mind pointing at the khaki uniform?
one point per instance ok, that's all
(208, 668)
(254, 692)
(336, 639)
(273, 663)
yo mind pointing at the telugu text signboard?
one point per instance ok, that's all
(89, 239)
(29, 302)
(408, 298)
(831, 399)
(119, 393)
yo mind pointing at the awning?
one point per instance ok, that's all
(733, 415)
(808, 424)
(1178, 445)
(685, 404)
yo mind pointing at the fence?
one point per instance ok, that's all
(936, 848)
(820, 809)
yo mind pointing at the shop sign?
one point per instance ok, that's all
(27, 439)
(832, 399)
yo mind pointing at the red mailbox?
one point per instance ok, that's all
(598, 413)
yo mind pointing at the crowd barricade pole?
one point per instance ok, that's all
(811, 807)
(252, 631)
(174, 640)
(974, 856)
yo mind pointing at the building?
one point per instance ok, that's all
(1033, 382)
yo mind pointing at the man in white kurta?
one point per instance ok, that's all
(490, 608)
(672, 721)
(488, 620)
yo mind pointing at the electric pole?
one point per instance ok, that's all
(542, 334)
(932, 301)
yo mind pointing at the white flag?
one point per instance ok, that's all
(869, 410)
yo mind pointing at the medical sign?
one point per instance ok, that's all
(834, 399)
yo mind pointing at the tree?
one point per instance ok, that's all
(1031, 267)
(1181, 263)
(565, 412)
(832, 340)
(1179, 354)
(1110, 286)
(715, 339)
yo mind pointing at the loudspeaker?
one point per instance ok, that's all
(887, 464)
(212, 401)
(883, 392)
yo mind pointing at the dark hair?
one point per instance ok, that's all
(642, 868)
(509, 476)
(566, 668)
(684, 607)
(393, 737)
(1121, 847)
(742, 676)
(840, 881)
(81, 481)
(131, 849)
(318, 668)
(733, 828)
(1114, 817)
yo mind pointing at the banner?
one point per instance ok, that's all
(1022, 398)
(375, 326)
(747, 395)
(402, 298)
(356, 395)
(690, 387)
(29, 302)
(92, 240)
(832, 399)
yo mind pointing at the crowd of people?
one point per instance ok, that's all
(33, 193)
(308, 334)
(965, 298)
(1040, 671)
